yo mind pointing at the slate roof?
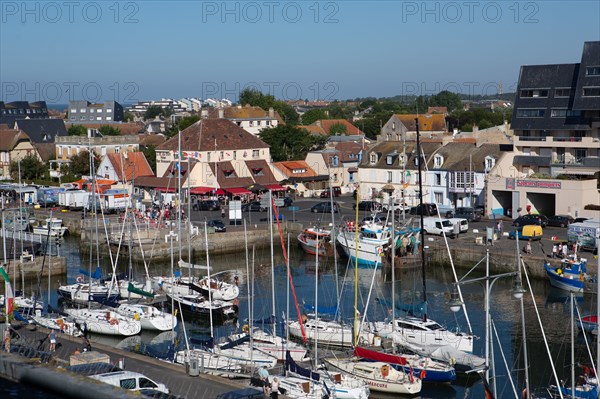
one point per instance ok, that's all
(229, 182)
(202, 135)
(133, 166)
(383, 149)
(464, 156)
(590, 57)
(9, 138)
(42, 130)
(267, 175)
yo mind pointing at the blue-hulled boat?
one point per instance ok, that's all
(570, 275)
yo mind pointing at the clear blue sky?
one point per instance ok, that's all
(136, 50)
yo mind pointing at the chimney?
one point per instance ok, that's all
(221, 113)
(319, 123)
(271, 113)
(204, 113)
(475, 128)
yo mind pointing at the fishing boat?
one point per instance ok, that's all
(315, 240)
(427, 369)
(570, 275)
(17, 223)
(106, 322)
(149, 316)
(380, 376)
(428, 333)
(55, 226)
(589, 323)
(373, 241)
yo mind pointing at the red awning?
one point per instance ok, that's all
(165, 189)
(238, 191)
(220, 192)
(201, 190)
(275, 187)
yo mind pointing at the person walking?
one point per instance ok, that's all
(52, 337)
(565, 250)
(528, 247)
(554, 251)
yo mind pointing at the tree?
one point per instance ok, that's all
(290, 142)
(77, 130)
(31, 169)
(107, 130)
(447, 99)
(150, 154)
(153, 111)
(256, 98)
(128, 117)
(80, 165)
(313, 115)
(338, 129)
(183, 124)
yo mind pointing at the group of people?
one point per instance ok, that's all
(270, 388)
(157, 214)
(561, 250)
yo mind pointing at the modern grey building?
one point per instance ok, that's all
(85, 112)
(10, 112)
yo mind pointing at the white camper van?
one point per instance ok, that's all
(435, 226)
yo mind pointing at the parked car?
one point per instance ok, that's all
(560, 220)
(218, 225)
(368, 206)
(533, 232)
(464, 213)
(253, 207)
(206, 205)
(531, 219)
(463, 224)
(336, 192)
(130, 380)
(325, 207)
(429, 210)
(580, 220)
(396, 206)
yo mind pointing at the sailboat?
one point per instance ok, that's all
(101, 321)
(149, 316)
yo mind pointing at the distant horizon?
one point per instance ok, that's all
(294, 50)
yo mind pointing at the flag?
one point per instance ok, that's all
(9, 298)
(486, 389)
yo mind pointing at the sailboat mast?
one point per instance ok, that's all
(393, 268)
(316, 335)
(422, 232)
(335, 265)
(179, 169)
(272, 259)
(356, 271)
(209, 284)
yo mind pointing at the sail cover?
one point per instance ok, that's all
(291, 366)
(379, 356)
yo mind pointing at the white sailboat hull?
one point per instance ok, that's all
(105, 322)
(329, 333)
(150, 317)
(395, 382)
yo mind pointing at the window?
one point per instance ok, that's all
(257, 172)
(591, 91)
(82, 118)
(489, 163)
(117, 149)
(580, 153)
(208, 157)
(393, 125)
(229, 173)
(334, 161)
(103, 151)
(128, 383)
(438, 179)
(82, 110)
(530, 112)
(563, 92)
(335, 177)
(389, 177)
(351, 177)
(235, 155)
(438, 160)
(108, 118)
(558, 113)
(534, 93)
(99, 110)
(98, 118)
(592, 71)
(222, 155)
(389, 159)
(299, 170)
(146, 383)
(108, 110)
(73, 111)
(255, 153)
(91, 110)
(251, 123)
(60, 150)
(373, 158)
(439, 197)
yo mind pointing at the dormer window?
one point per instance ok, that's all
(334, 160)
(373, 158)
(389, 159)
(257, 172)
(229, 173)
(438, 160)
(393, 125)
(489, 163)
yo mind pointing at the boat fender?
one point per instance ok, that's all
(245, 328)
(423, 374)
(135, 317)
(79, 279)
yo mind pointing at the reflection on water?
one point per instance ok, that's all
(553, 306)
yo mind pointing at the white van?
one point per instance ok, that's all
(130, 381)
(433, 225)
(463, 224)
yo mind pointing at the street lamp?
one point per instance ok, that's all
(455, 303)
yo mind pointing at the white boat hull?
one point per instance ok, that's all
(149, 316)
(329, 333)
(105, 322)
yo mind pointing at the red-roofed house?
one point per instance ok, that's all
(327, 124)
(300, 176)
(124, 167)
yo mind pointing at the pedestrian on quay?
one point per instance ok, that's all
(87, 346)
(77, 351)
(528, 247)
(223, 213)
(52, 337)
(565, 250)
(275, 388)
(554, 251)
(264, 376)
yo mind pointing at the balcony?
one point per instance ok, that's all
(550, 141)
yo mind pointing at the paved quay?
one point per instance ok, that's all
(172, 375)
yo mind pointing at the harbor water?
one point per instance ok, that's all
(505, 312)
